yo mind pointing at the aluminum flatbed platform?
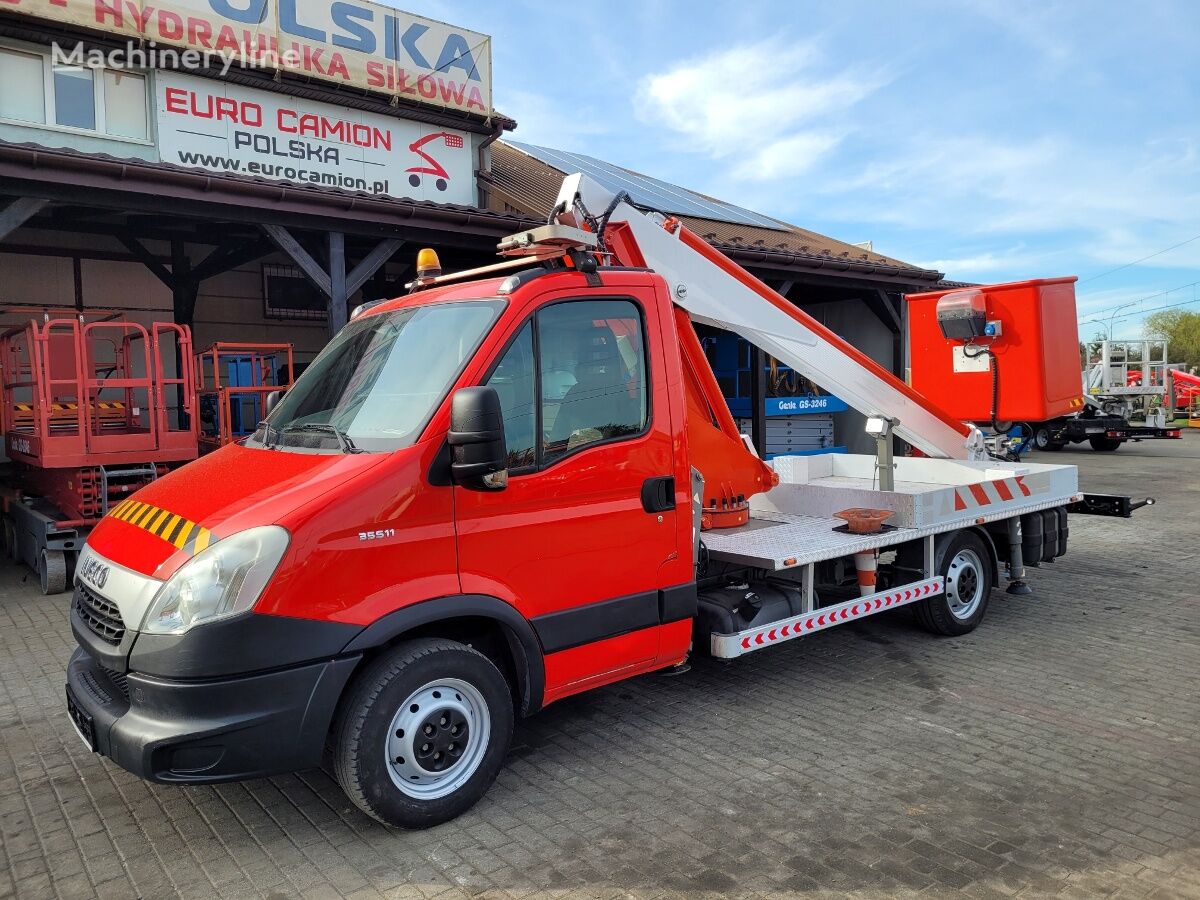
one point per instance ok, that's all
(793, 524)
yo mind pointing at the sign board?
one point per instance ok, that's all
(226, 128)
(799, 406)
(351, 42)
(789, 406)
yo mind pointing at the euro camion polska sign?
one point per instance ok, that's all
(222, 127)
(350, 42)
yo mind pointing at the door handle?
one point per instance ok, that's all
(658, 494)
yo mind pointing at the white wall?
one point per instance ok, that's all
(853, 321)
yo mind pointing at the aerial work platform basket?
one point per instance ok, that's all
(94, 389)
(92, 407)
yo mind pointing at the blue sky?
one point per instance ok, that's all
(994, 141)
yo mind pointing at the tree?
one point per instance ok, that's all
(1181, 330)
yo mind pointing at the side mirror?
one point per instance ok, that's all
(479, 457)
(272, 401)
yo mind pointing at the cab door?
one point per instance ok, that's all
(579, 538)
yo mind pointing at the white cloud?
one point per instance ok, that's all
(761, 106)
(784, 157)
(1035, 24)
(544, 119)
(972, 268)
(1114, 204)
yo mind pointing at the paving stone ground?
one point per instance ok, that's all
(1055, 751)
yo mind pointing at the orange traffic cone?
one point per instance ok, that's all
(865, 564)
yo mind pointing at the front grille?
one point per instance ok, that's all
(101, 616)
(120, 681)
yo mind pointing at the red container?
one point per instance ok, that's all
(1037, 353)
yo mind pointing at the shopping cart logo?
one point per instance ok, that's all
(434, 168)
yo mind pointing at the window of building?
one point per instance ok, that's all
(108, 101)
(74, 97)
(22, 91)
(581, 377)
(125, 104)
(287, 294)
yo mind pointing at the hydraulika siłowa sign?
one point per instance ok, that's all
(359, 43)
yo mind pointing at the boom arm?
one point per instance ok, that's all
(716, 291)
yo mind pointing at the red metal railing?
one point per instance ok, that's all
(267, 376)
(75, 393)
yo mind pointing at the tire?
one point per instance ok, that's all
(1104, 444)
(966, 566)
(433, 686)
(1055, 446)
(1040, 436)
(52, 570)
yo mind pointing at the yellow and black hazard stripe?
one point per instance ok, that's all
(184, 534)
(71, 407)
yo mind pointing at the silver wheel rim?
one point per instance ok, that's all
(964, 584)
(438, 738)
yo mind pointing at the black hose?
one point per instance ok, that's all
(995, 370)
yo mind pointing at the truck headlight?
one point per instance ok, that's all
(224, 580)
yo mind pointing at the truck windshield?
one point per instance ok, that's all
(376, 384)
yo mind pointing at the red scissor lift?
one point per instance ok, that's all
(89, 414)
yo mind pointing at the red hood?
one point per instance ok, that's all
(217, 495)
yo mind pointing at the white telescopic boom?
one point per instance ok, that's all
(716, 291)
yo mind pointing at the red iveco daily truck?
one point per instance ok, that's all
(507, 488)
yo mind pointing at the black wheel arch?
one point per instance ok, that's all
(942, 541)
(912, 553)
(452, 615)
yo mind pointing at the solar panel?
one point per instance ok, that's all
(646, 191)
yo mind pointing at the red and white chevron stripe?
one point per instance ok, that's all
(986, 493)
(730, 645)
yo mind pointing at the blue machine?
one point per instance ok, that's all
(245, 409)
(242, 371)
(799, 417)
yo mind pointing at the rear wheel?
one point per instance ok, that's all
(1104, 444)
(967, 571)
(52, 570)
(1040, 434)
(423, 733)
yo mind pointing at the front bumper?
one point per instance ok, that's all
(196, 731)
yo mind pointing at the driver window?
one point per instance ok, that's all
(513, 380)
(593, 374)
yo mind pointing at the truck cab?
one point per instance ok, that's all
(473, 503)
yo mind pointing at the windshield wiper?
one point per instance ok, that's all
(267, 428)
(343, 438)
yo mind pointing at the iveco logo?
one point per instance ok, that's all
(94, 572)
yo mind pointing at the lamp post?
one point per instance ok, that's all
(1114, 314)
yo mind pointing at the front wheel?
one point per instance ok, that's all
(423, 733)
(967, 572)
